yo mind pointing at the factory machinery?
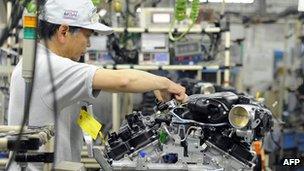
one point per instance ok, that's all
(209, 132)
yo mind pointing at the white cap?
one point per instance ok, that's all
(79, 13)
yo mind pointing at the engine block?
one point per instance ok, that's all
(209, 132)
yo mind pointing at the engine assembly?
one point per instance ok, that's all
(209, 132)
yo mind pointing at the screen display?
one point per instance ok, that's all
(187, 48)
(162, 18)
(161, 57)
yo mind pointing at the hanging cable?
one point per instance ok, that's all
(27, 105)
(55, 105)
(180, 14)
(29, 85)
(274, 141)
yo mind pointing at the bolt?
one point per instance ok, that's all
(196, 145)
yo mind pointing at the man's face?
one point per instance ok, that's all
(77, 43)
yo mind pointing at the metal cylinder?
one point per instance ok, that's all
(240, 115)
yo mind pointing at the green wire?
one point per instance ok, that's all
(180, 14)
(180, 10)
(194, 10)
(182, 35)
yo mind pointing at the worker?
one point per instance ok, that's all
(64, 31)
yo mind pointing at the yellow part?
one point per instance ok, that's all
(89, 124)
(117, 6)
(257, 95)
(102, 138)
(30, 21)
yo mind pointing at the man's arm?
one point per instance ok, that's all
(135, 81)
(128, 80)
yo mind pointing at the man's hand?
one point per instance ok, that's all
(135, 81)
(174, 90)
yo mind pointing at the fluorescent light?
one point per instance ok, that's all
(161, 18)
(229, 1)
(301, 5)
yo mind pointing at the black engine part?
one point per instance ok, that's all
(131, 137)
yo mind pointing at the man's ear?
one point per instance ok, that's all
(63, 33)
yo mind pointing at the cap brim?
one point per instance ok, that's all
(99, 28)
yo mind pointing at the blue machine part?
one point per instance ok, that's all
(300, 140)
(155, 58)
(187, 60)
(170, 158)
(4, 155)
(289, 140)
(142, 153)
(293, 140)
(161, 57)
(278, 57)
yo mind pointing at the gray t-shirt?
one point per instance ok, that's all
(73, 83)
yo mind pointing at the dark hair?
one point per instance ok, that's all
(46, 30)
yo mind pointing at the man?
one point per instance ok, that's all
(67, 26)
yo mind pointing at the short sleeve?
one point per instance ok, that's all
(73, 82)
(89, 83)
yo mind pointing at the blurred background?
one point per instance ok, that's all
(253, 46)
